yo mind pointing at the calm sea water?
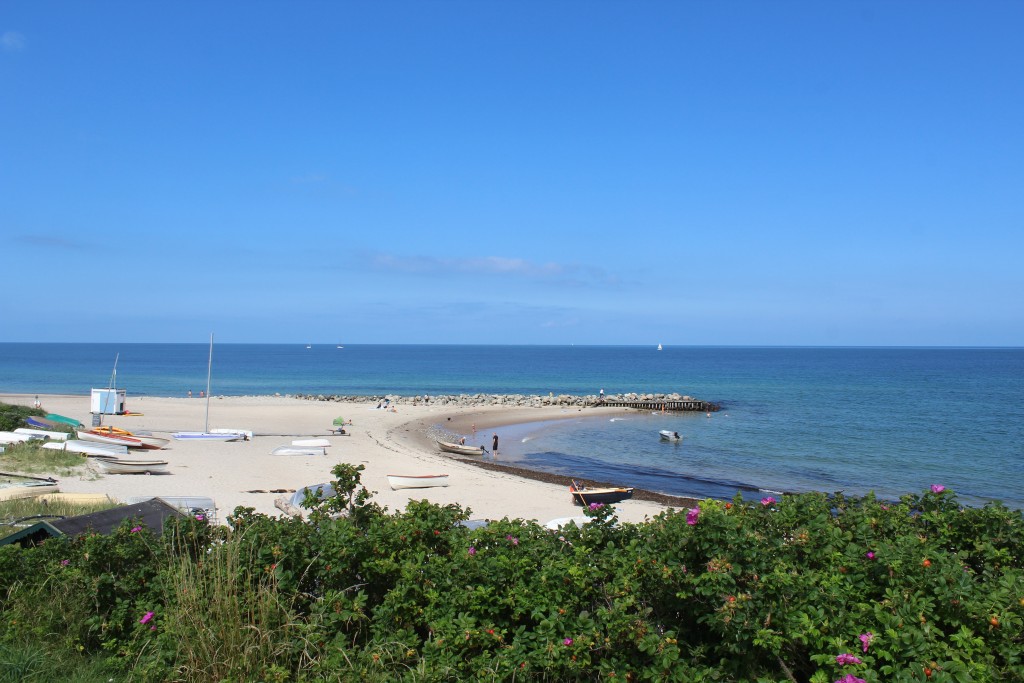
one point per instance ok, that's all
(793, 419)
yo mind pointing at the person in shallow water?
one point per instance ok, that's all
(494, 445)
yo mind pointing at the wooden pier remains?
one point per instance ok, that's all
(663, 405)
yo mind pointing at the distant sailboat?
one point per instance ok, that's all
(659, 347)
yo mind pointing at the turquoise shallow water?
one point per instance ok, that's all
(793, 419)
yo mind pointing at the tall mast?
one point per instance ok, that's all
(209, 366)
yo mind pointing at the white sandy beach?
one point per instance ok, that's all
(244, 473)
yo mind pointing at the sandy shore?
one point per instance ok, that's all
(245, 474)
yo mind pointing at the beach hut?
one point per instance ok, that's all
(107, 402)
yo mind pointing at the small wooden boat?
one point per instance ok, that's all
(668, 435)
(460, 449)
(43, 434)
(311, 443)
(413, 481)
(124, 466)
(299, 450)
(208, 436)
(583, 495)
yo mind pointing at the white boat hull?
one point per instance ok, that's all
(43, 434)
(208, 436)
(460, 449)
(312, 443)
(669, 436)
(93, 448)
(245, 433)
(14, 437)
(298, 450)
(403, 481)
(119, 466)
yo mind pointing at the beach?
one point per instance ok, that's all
(245, 474)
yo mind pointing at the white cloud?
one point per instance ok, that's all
(561, 273)
(12, 41)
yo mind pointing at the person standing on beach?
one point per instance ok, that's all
(494, 446)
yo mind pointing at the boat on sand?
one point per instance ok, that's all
(414, 481)
(585, 495)
(460, 449)
(299, 450)
(311, 443)
(125, 466)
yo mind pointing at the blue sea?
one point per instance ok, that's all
(888, 420)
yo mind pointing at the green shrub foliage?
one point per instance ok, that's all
(807, 588)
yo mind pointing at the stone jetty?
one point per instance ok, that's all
(668, 402)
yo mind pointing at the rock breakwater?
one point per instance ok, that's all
(672, 401)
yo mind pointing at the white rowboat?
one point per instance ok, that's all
(460, 449)
(412, 481)
(668, 435)
(121, 466)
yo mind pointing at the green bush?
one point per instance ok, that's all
(13, 416)
(809, 588)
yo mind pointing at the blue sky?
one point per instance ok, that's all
(762, 173)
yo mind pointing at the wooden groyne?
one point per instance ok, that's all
(663, 405)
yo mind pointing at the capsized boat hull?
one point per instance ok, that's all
(407, 481)
(311, 443)
(43, 434)
(90, 447)
(122, 466)
(207, 436)
(298, 450)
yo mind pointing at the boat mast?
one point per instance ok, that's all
(209, 366)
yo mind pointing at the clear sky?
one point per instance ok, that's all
(563, 172)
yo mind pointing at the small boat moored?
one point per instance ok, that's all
(668, 435)
(584, 495)
(413, 481)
